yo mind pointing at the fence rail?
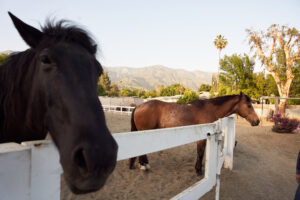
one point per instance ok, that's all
(31, 171)
(119, 109)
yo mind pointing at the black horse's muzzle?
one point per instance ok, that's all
(90, 164)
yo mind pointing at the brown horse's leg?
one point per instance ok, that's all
(131, 163)
(200, 153)
(144, 162)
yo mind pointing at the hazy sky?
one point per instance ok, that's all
(177, 34)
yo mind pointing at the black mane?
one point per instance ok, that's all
(217, 100)
(66, 31)
(12, 77)
(222, 99)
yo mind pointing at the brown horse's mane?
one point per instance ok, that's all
(217, 100)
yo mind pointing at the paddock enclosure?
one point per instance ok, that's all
(41, 174)
(264, 168)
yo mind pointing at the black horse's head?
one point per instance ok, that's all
(62, 99)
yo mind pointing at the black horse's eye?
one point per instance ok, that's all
(45, 59)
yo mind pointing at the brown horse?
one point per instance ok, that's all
(157, 114)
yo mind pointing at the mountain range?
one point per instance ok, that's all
(151, 76)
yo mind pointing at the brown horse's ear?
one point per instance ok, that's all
(30, 35)
(241, 95)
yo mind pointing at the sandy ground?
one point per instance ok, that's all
(264, 169)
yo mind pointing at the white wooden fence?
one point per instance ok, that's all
(31, 171)
(118, 109)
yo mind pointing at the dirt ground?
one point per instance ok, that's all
(264, 168)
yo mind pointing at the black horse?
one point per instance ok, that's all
(52, 87)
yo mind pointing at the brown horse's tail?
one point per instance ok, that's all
(133, 127)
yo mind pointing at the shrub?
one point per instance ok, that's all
(189, 95)
(284, 124)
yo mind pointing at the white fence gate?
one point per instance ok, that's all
(31, 171)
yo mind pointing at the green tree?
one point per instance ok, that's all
(281, 67)
(3, 58)
(125, 92)
(158, 88)
(104, 81)
(189, 95)
(204, 87)
(105, 87)
(220, 42)
(150, 93)
(295, 87)
(141, 93)
(278, 49)
(174, 89)
(101, 91)
(271, 87)
(114, 90)
(214, 84)
(237, 74)
(265, 85)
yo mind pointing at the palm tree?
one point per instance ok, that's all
(220, 43)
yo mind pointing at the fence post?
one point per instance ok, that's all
(45, 170)
(14, 172)
(229, 142)
(219, 157)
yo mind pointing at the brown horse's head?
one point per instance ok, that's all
(245, 109)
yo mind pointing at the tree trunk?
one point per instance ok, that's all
(282, 106)
(284, 92)
(218, 76)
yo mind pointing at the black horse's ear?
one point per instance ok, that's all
(30, 35)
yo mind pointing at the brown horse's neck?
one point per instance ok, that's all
(222, 106)
(225, 106)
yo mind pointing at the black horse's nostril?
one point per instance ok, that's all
(257, 122)
(80, 160)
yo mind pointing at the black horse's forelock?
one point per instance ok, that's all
(66, 31)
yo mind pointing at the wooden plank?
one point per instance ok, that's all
(45, 170)
(132, 144)
(205, 185)
(14, 172)
(230, 143)
(195, 191)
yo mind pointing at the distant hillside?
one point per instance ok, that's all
(149, 77)
(8, 52)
